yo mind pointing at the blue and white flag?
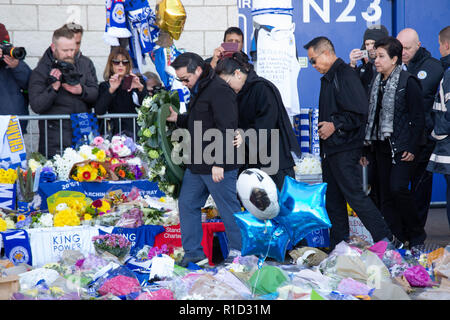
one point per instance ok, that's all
(17, 246)
(12, 150)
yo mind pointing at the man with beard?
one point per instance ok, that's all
(54, 91)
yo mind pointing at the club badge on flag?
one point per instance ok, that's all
(17, 246)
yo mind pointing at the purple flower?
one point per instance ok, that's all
(24, 223)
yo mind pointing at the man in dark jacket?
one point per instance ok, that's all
(366, 70)
(343, 109)
(418, 61)
(441, 115)
(14, 77)
(213, 106)
(51, 95)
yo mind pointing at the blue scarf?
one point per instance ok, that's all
(17, 246)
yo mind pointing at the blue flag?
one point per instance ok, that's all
(17, 246)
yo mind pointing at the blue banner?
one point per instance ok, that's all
(8, 196)
(97, 190)
(17, 246)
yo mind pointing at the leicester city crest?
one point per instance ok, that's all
(19, 255)
(118, 14)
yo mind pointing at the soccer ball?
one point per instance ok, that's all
(258, 194)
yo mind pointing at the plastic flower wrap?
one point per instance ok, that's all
(8, 176)
(132, 218)
(309, 165)
(115, 244)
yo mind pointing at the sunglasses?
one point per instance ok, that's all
(74, 27)
(184, 80)
(313, 61)
(118, 62)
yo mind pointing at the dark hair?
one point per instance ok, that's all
(189, 60)
(233, 30)
(320, 43)
(444, 34)
(229, 65)
(393, 47)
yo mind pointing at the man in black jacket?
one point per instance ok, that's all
(14, 77)
(51, 94)
(213, 106)
(343, 109)
(418, 61)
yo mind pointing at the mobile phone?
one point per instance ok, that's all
(230, 46)
(364, 54)
(126, 83)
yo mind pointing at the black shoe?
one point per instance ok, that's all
(200, 261)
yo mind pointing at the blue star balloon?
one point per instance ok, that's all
(263, 238)
(302, 209)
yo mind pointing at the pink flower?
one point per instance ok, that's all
(98, 141)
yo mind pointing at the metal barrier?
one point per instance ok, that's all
(62, 117)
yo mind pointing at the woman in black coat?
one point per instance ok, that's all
(261, 107)
(115, 97)
(395, 123)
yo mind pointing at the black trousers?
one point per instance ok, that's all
(422, 187)
(397, 203)
(342, 173)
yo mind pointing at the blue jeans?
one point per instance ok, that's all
(194, 192)
(447, 178)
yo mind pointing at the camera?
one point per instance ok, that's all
(68, 72)
(8, 49)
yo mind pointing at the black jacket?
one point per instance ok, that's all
(367, 73)
(46, 101)
(13, 87)
(214, 105)
(430, 72)
(121, 101)
(261, 107)
(344, 102)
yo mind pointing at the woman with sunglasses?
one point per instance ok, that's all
(121, 92)
(261, 107)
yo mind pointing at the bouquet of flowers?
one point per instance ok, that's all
(64, 164)
(98, 207)
(115, 244)
(8, 176)
(125, 171)
(156, 141)
(89, 171)
(131, 218)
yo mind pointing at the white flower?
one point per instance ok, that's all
(46, 220)
(61, 206)
(135, 162)
(86, 152)
(33, 165)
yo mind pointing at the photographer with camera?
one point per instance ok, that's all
(60, 84)
(121, 92)
(14, 77)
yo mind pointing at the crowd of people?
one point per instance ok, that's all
(379, 110)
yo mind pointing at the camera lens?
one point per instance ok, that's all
(18, 53)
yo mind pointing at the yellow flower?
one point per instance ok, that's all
(3, 225)
(21, 217)
(101, 155)
(67, 217)
(105, 207)
(162, 199)
(87, 217)
(86, 173)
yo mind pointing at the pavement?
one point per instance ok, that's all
(437, 229)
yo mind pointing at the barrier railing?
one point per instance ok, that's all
(34, 130)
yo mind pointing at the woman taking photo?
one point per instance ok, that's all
(261, 107)
(395, 123)
(121, 92)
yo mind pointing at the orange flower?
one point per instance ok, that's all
(20, 217)
(122, 173)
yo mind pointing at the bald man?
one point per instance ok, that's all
(418, 61)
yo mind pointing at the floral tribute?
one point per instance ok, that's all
(151, 141)
(115, 244)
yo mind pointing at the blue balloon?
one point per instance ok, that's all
(263, 238)
(302, 209)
